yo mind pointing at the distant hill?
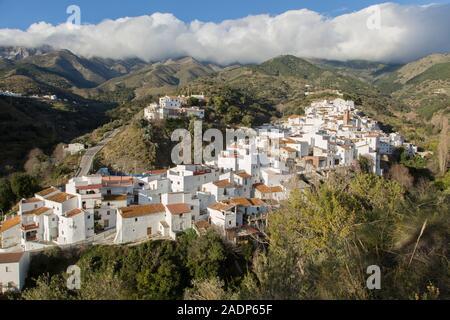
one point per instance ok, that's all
(405, 97)
(30, 123)
(423, 85)
(156, 78)
(364, 70)
(290, 66)
(291, 83)
(59, 72)
(19, 53)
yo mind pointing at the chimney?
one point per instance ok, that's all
(347, 117)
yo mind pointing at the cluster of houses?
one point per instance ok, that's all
(232, 193)
(174, 108)
(338, 134)
(8, 93)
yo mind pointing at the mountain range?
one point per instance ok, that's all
(404, 96)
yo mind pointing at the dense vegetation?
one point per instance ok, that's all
(26, 124)
(153, 270)
(17, 186)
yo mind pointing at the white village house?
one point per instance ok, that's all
(13, 270)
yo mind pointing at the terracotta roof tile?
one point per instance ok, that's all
(36, 212)
(8, 224)
(219, 206)
(266, 189)
(11, 257)
(240, 201)
(223, 183)
(61, 197)
(257, 202)
(90, 187)
(243, 174)
(47, 191)
(73, 213)
(113, 181)
(178, 208)
(142, 210)
(31, 200)
(115, 197)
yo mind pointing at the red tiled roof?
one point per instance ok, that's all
(240, 201)
(117, 181)
(266, 189)
(31, 200)
(8, 224)
(11, 257)
(47, 191)
(178, 208)
(219, 206)
(243, 174)
(223, 183)
(30, 226)
(73, 213)
(37, 211)
(61, 197)
(142, 210)
(257, 202)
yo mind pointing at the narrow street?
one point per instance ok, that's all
(88, 157)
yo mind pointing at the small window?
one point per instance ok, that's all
(89, 216)
(7, 269)
(135, 220)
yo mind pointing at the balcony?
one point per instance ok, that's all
(31, 226)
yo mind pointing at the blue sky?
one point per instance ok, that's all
(21, 13)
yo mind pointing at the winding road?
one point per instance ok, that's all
(88, 157)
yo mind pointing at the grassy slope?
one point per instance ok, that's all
(28, 123)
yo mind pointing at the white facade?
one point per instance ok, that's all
(190, 178)
(13, 270)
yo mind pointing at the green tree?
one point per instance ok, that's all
(23, 185)
(206, 256)
(209, 289)
(48, 288)
(7, 196)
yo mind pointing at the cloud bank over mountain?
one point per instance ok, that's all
(387, 32)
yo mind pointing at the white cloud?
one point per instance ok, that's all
(405, 33)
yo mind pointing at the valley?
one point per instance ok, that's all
(95, 92)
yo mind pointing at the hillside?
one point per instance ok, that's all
(155, 78)
(423, 85)
(29, 123)
(403, 98)
(363, 70)
(19, 53)
(59, 72)
(291, 83)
